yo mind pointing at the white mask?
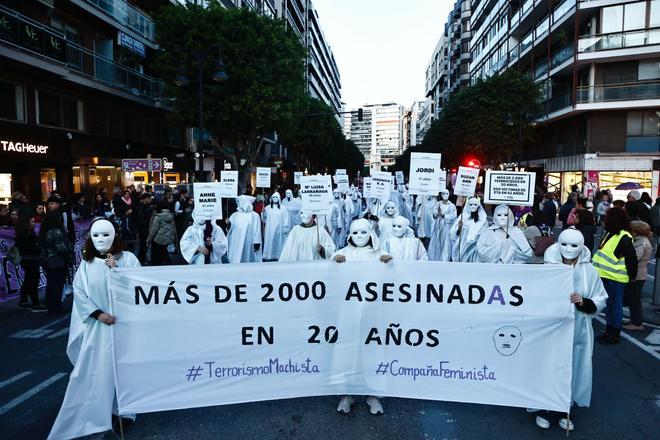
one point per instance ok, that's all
(275, 198)
(103, 235)
(571, 243)
(473, 205)
(390, 209)
(501, 216)
(400, 226)
(288, 194)
(305, 217)
(336, 193)
(360, 232)
(444, 194)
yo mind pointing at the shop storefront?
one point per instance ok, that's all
(593, 172)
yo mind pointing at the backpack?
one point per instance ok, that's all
(542, 243)
(14, 255)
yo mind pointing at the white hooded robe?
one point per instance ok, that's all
(90, 395)
(465, 233)
(293, 208)
(244, 233)
(302, 242)
(440, 245)
(276, 228)
(493, 245)
(193, 238)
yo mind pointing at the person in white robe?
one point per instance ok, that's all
(466, 231)
(402, 244)
(363, 244)
(195, 248)
(385, 218)
(276, 228)
(589, 297)
(503, 242)
(349, 213)
(425, 209)
(445, 215)
(307, 242)
(244, 233)
(89, 401)
(293, 206)
(407, 205)
(336, 219)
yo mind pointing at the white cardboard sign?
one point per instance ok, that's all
(400, 178)
(340, 172)
(296, 177)
(466, 181)
(263, 177)
(208, 201)
(316, 194)
(342, 183)
(509, 187)
(425, 173)
(381, 185)
(443, 179)
(228, 184)
(366, 190)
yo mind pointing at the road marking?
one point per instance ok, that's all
(29, 393)
(37, 332)
(62, 332)
(633, 340)
(653, 338)
(11, 380)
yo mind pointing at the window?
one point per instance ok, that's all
(59, 111)
(643, 123)
(12, 104)
(649, 69)
(630, 16)
(612, 19)
(654, 14)
(634, 16)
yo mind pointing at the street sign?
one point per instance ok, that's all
(148, 165)
(510, 188)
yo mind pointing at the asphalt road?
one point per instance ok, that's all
(34, 374)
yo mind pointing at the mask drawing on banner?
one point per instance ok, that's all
(306, 218)
(507, 340)
(103, 235)
(361, 234)
(288, 194)
(570, 242)
(275, 199)
(244, 203)
(501, 216)
(401, 227)
(444, 193)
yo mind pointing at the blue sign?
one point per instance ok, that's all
(131, 43)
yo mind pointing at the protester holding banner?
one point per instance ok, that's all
(503, 242)
(466, 232)
(203, 242)
(589, 299)
(402, 244)
(307, 242)
(244, 233)
(362, 245)
(90, 339)
(276, 228)
(445, 215)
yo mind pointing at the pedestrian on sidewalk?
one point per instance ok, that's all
(162, 235)
(27, 243)
(616, 262)
(56, 254)
(641, 233)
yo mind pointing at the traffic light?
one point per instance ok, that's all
(473, 163)
(360, 114)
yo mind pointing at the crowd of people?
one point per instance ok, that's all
(609, 243)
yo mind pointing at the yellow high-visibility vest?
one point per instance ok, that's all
(607, 264)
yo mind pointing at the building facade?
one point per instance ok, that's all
(77, 96)
(598, 65)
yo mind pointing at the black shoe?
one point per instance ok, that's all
(39, 309)
(612, 338)
(24, 306)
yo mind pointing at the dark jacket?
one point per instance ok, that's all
(163, 229)
(28, 246)
(54, 244)
(565, 209)
(637, 210)
(550, 212)
(143, 218)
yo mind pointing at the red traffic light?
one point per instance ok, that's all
(474, 163)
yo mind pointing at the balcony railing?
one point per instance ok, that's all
(127, 15)
(618, 92)
(46, 43)
(619, 40)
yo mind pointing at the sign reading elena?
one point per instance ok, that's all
(23, 147)
(228, 184)
(198, 336)
(509, 187)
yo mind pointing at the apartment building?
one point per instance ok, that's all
(360, 132)
(77, 95)
(598, 65)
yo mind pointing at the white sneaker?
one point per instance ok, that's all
(345, 404)
(566, 424)
(542, 422)
(374, 405)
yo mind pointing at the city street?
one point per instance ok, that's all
(625, 403)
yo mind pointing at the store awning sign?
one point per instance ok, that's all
(148, 165)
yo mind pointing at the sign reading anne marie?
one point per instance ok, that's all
(509, 187)
(195, 336)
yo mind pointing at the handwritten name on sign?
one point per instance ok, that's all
(201, 336)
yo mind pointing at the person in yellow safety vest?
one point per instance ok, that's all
(616, 263)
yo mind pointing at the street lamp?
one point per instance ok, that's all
(181, 80)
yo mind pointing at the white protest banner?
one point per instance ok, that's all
(443, 179)
(424, 173)
(466, 181)
(509, 187)
(340, 171)
(342, 182)
(263, 177)
(228, 184)
(400, 178)
(381, 185)
(296, 177)
(316, 194)
(208, 201)
(194, 336)
(366, 191)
